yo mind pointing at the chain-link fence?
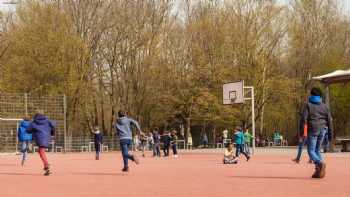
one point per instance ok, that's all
(13, 107)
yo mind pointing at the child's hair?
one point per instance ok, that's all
(316, 91)
(229, 144)
(121, 113)
(26, 118)
(238, 128)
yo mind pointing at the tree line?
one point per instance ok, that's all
(165, 61)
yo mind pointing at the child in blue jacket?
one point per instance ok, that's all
(43, 130)
(24, 138)
(239, 140)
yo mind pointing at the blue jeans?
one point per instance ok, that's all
(156, 150)
(300, 148)
(314, 145)
(125, 144)
(240, 149)
(246, 147)
(24, 149)
(174, 147)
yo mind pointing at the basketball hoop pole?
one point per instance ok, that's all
(252, 98)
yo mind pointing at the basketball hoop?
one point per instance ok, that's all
(233, 93)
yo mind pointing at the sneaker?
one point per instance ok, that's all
(136, 160)
(125, 169)
(47, 171)
(297, 161)
(248, 158)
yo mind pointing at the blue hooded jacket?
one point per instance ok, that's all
(42, 129)
(239, 137)
(23, 135)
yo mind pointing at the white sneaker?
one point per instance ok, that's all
(175, 156)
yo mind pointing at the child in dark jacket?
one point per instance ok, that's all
(156, 140)
(43, 130)
(24, 137)
(98, 140)
(166, 143)
(317, 118)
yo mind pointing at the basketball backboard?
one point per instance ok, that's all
(232, 93)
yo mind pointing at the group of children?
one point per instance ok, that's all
(316, 122)
(42, 130)
(231, 157)
(155, 141)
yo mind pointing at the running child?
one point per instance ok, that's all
(156, 140)
(239, 140)
(43, 131)
(123, 127)
(24, 138)
(173, 142)
(166, 143)
(98, 140)
(150, 141)
(229, 156)
(143, 139)
(301, 143)
(247, 140)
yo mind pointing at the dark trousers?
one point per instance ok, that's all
(240, 149)
(174, 147)
(156, 150)
(125, 144)
(166, 150)
(97, 148)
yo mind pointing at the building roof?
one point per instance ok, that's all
(338, 76)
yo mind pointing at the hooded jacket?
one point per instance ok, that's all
(239, 137)
(23, 135)
(42, 129)
(317, 117)
(123, 127)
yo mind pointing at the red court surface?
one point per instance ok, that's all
(198, 174)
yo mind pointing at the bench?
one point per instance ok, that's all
(182, 142)
(60, 148)
(219, 145)
(104, 148)
(344, 141)
(84, 148)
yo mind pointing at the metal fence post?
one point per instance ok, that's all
(26, 104)
(65, 122)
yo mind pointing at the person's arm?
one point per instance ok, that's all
(330, 125)
(53, 129)
(303, 120)
(136, 124)
(19, 132)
